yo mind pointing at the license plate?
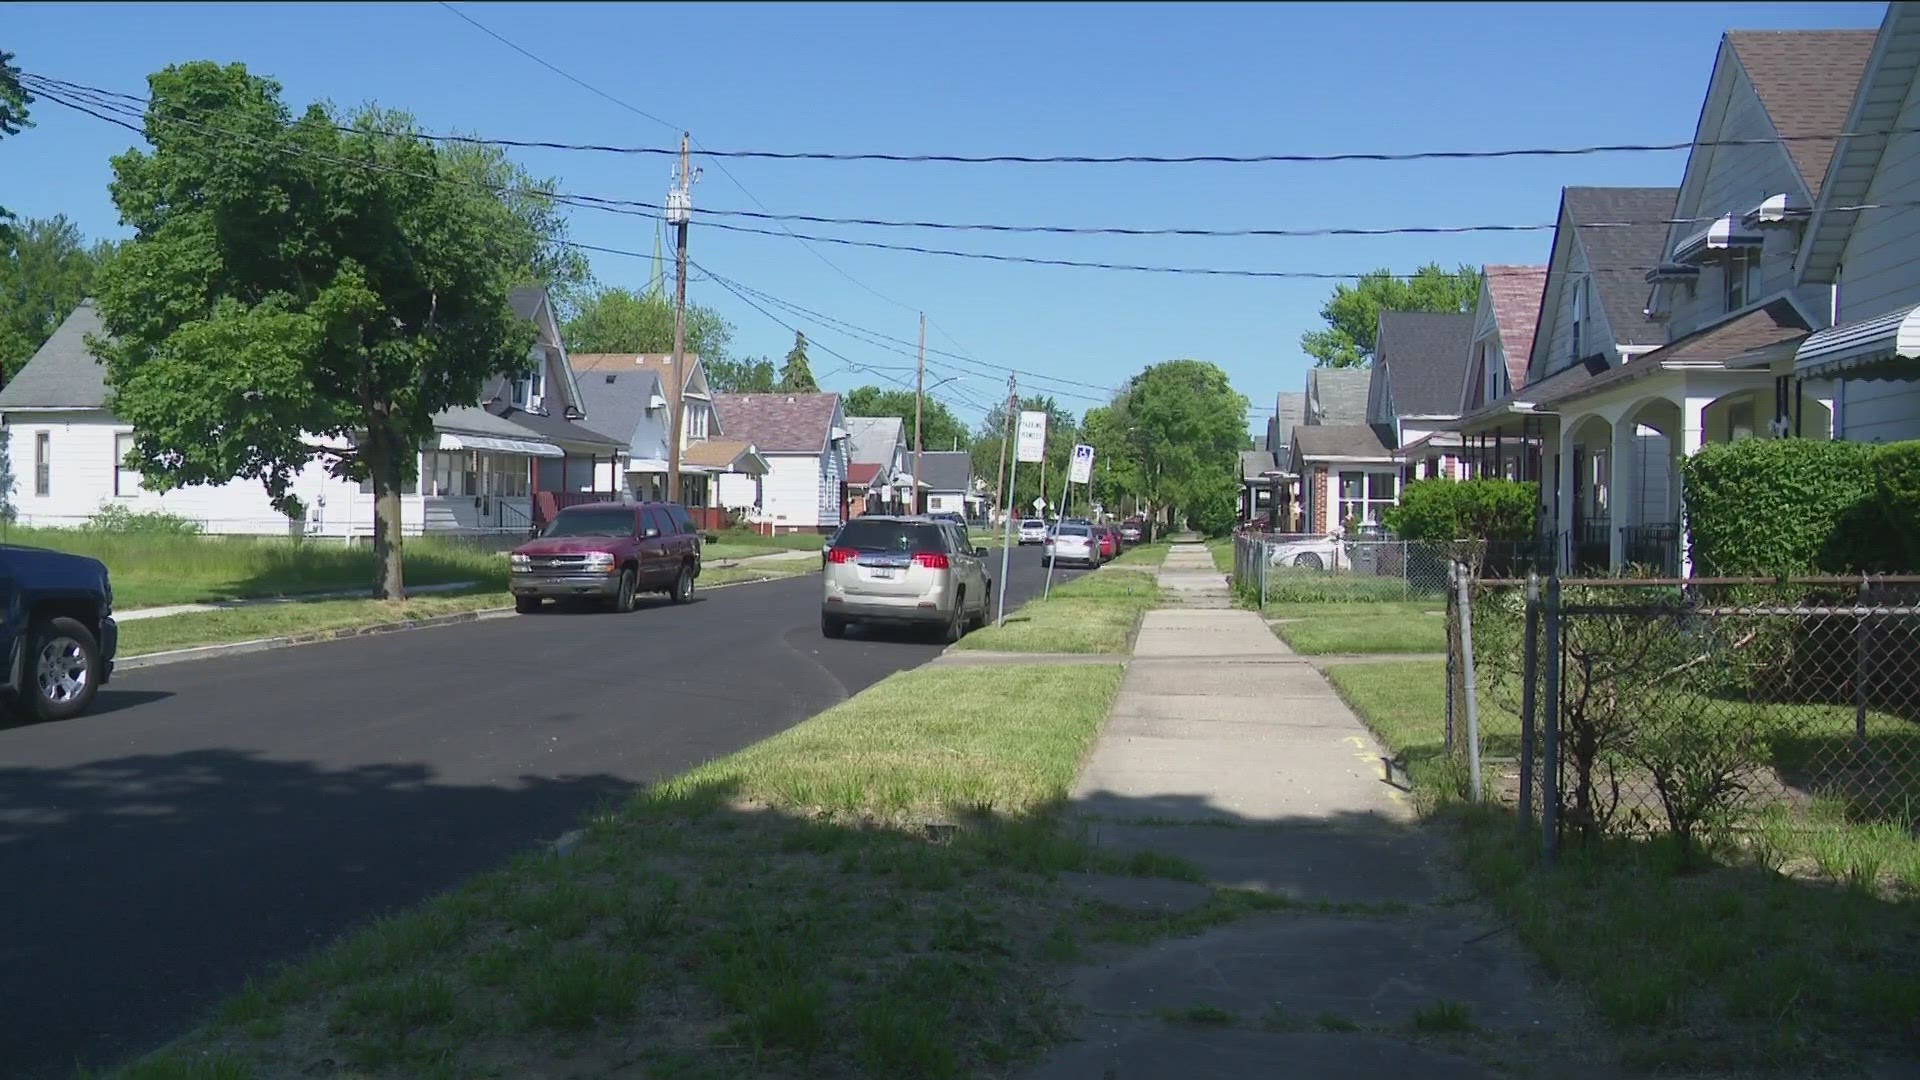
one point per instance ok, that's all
(881, 573)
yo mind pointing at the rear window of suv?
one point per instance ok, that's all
(678, 515)
(900, 537)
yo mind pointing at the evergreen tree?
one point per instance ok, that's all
(795, 376)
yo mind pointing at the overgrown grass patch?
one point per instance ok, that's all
(1295, 585)
(291, 619)
(1094, 613)
(868, 894)
(1144, 555)
(1763, 959)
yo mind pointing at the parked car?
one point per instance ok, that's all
(1073, 544)
(1312, 553)
(910, 571)
(610, 552)
(56, 611)
(1109, 542)
(1133, 530)
(1033, 531)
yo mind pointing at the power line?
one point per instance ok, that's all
(582, 83)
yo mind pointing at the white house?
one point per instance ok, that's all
(644, 421)
(1414, 392)
(1869, 260)
(948, 480)
(803, 439)
(480, 475)
(879, 465)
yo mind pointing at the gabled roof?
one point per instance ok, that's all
(1349, 441)
(874, 438)
(1289, 408)
(660, 363)
(1255, 464)
(62, 374)
(863, 473)
(724, 455)
(1805, 79)
(1514, 294)
(1338, 395)
(616, 401)
(1423, 356)
(946, 470)
(1624, 232)
(779, 423)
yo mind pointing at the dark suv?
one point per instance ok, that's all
(608, 551)
(56, 615)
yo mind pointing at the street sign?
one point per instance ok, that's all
(1039, 503)
(1082, 468)
(1033, 437)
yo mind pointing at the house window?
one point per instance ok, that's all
(1493, 368)
(697, 422)
(1743, 274)
(42, 463)
(1579, 316)
(1364, 496)
(126, 481)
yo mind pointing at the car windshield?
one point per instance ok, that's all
(898, 537)
(611, 521)
(1033, 523)
(1072, 530)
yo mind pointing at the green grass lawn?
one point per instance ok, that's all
(1095, 613)
(1221, 548)
(1292, 585)
(1790, 952)
(1381, 627)
(869, 894)
(156, 570)
(747, 538)
(1144, 554)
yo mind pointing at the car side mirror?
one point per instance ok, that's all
(979, 553)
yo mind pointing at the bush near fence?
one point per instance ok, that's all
(1773, 506)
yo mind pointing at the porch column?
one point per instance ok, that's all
(1563, 504)
(1693, 435)
(1621, 495)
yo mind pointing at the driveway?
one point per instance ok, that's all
(212, 818)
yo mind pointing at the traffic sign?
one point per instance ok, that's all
(1033, 437)
(1082, 468)
(1039, 503)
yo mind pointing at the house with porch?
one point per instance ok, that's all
(803, 438)
(482, 473)
(1869, 259)
(1504, 318)
(1345, 469)
(645, 472)
(629, 403)
(947, 481)
(1267, 488)
(879, 465)
(1726, 290)
(1413, 389)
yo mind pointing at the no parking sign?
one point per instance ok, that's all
(1082, 468)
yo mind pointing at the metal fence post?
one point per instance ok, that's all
(1463, 582)
(1550, 728)
(1862, 650)
(1453, 651)
(1262, 552)
(1529, 669)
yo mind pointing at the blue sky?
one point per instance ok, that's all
(1089, 78)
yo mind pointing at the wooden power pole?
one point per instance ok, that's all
(919, 393)
(679, 212)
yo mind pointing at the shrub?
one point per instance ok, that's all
(1896, 485)
(1782, 506)
(114, 518)
(1443, 511)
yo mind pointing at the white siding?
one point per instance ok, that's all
(833, 472)
(739, 491)
(944, 502)
(1879, 273)
(1559, 327)
(791, 492)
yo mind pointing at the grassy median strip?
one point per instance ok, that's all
(869, 894)
(1144, 555)
(1317, 629)
(1095, 613)
(1782, 955)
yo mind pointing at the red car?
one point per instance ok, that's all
(610, 552)
(1109, 541)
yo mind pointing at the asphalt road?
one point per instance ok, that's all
(209, 819)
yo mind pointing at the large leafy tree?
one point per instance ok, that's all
(1187, 425)
(617, 320)
(1353, 311)
(1116, 461)
(796, 375)
(295, 291)
(540, 243)
(46, 269)
(14, 100)
(944, 431)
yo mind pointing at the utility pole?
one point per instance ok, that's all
(919, 395)
(1004, 493)
(679, 212)
(1013, 467)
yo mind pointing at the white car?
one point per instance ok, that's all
(1033, 531)
(1312, 553)
(1072, 544)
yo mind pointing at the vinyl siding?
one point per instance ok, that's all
(792, 495)
(1880, 272)
(1559, 328)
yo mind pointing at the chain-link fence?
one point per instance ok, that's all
(1318, 566)
(1694, 708)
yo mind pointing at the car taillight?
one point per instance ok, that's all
(932, 560)
(840, 555)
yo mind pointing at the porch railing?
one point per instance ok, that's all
(1655, 546)
(1589, 545)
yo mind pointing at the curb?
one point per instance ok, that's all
(241, 648)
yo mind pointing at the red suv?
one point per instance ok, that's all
(609, 551)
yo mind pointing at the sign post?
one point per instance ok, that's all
(1079, 471)
(1031, 446)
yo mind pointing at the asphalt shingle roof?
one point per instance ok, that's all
(873, 438)
(1341, 394)
(1340, 441)
(1515, 293)
(660, 363)
(778, 423)
(1620, 255)
(1806, 79)
(1769, 324)
(62, 374)
(1424, 354)
(946, 470)
(616, 401)
(1255, 463)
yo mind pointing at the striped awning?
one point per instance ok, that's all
(1886, 347)
(1722, 236)
(452, 441)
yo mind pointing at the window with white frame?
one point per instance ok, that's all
(530, 392)
(1364, 496)
(126, 481)
(1743, 275)
(1493, 371)
(43, 463)
(1579, 316)
(696, 420)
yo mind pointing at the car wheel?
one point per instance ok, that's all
(956, 627)
(832, 627)
(526, 605)
(1309, 560)
(683, 585)
(63, 669)
(624, 599)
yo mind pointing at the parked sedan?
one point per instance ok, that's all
(1132, 531)
(1072, 544)
(1109, 542)
(1033, 531)
(1314, 553)
(905, 571)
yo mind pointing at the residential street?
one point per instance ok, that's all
(212, 818)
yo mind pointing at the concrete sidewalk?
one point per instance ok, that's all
(1226, 750)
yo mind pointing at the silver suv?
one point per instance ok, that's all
(912, 571)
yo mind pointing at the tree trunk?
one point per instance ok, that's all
(385, 466)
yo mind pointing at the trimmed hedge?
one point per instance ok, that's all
(1447, 510)
(1783, 506)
